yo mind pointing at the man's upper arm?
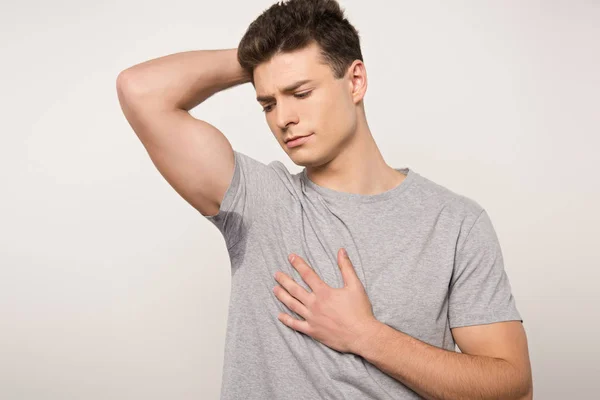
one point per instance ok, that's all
(193, 156)
(482, 311)
(506, 340)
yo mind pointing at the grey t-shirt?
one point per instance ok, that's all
(428, 258)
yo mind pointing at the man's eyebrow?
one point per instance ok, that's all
(286, 89)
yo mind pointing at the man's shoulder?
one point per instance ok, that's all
(440, 195)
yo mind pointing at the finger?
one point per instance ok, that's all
(308, 274)
(296, 324)
(291, 303)
(293, 288)
(348, 272)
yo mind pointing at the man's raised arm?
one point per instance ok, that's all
(193, 156)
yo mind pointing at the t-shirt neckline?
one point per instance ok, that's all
(362, 198)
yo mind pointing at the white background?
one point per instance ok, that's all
(113, 287)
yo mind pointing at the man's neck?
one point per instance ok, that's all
(359, 168)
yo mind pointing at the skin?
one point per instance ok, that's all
(342, 154)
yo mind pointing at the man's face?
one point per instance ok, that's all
(323, 107)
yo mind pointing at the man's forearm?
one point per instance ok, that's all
(436, 373)
(184, 80)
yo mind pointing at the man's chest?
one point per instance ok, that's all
(404, 261)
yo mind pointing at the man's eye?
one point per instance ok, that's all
(297, 95)
(302, 95)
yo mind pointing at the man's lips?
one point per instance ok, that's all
(295, 137)
(299, 140)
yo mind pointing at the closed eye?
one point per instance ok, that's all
(297, 95)
(303, 95)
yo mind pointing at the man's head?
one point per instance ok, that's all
(302, 40)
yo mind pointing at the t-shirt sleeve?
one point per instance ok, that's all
(243, 199)
(480, 291)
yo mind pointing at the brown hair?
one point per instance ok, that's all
(293, 25)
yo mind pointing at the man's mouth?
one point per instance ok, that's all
(297, 140)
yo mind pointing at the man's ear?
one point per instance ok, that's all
(358, 80)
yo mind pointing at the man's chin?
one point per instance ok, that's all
(304, 158)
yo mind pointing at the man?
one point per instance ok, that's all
(424, 269)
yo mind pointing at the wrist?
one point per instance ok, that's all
(368, 337)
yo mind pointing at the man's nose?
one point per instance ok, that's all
(286, 116)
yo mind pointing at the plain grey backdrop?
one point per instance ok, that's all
(113, 287)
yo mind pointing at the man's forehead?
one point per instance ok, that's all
(285, 72)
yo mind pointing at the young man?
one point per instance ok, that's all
(425, 268)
